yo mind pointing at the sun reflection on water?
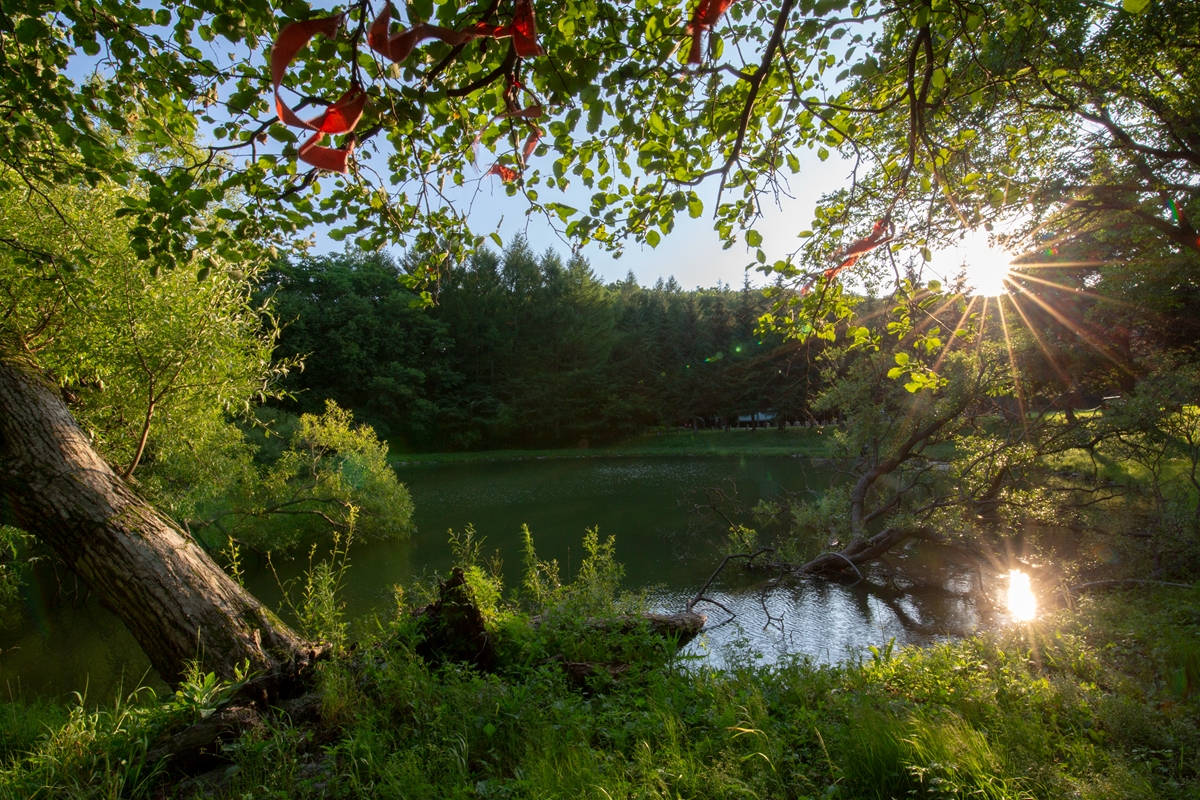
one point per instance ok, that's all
(1021, 602)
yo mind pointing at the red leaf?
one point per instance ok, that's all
(330, 158)
(531, 144)
(533, 112)
(694, 56)
(699, 14)
(507, 174)
(482, 30)
(523, 30)
(293, 37)
(706, 14)
(291, 40)
(340, 117)
(857, 250)
(400, 45)
(524, 27)
(714, 10)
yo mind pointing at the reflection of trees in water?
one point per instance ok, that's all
(803, 613)
(939, 592)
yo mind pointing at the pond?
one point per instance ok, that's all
(54, 647)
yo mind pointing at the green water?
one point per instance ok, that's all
(667, 546)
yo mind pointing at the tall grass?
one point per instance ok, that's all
(93, 753)
(1080, 704)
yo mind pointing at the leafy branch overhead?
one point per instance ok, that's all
(952, 114)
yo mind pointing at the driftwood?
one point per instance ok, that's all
(682, 626)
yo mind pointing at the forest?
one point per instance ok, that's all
(524, 351)
(190, 394)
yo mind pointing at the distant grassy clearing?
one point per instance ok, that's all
(810, 442)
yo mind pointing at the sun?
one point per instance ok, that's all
(1021, 602)
(986, 267)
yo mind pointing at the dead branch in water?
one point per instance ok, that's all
(750, 563)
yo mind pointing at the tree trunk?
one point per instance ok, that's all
(862, 550)
(179, 605)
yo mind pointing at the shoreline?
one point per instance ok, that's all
(795, 442)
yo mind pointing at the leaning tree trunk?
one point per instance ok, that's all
(862, 550)
(179, 605)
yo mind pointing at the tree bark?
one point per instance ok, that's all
(179, 605)
(862, 550)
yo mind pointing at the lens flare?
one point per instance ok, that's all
(1021, 602)
(986, 267)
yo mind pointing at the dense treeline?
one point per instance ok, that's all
(523, 350)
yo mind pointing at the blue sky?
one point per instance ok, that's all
(692, 251)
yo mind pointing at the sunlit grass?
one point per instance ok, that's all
(1099, 701)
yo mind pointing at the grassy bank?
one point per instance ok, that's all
(1095, 702)
(810, 442)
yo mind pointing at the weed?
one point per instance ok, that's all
(319, 609)
(1078, 704)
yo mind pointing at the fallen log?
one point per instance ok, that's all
(579, 673)
(682, 626)
(198, 747)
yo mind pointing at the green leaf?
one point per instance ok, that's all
(1135, 6)
(420, 9)
(695, 206)
(896, 372)
(753, 238)
(496, 238)
(652, 238)
(902, 359)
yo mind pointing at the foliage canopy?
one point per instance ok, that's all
(957, 113)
